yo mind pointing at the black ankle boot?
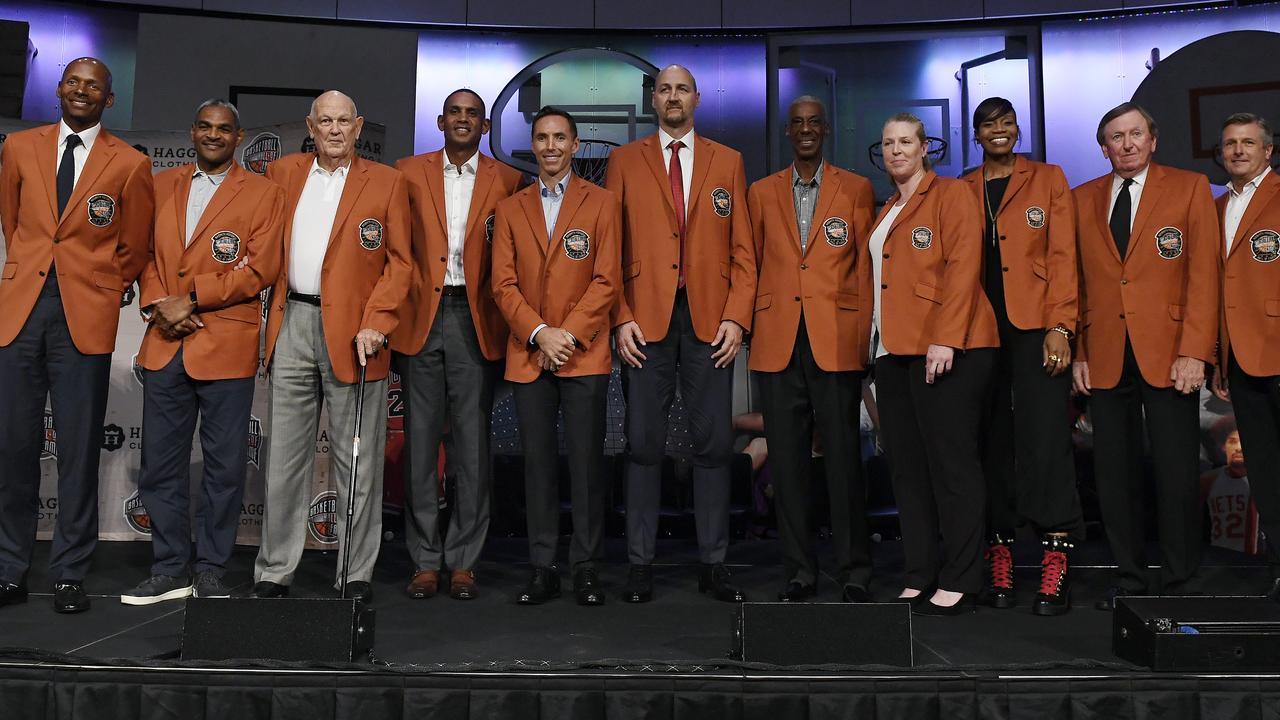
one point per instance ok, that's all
(1054, 597)
(999, 557)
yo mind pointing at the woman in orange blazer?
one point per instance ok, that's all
(556, 276)
(933, 339)
(1029, 273)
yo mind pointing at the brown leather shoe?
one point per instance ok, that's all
(462, 585)
(424, 584)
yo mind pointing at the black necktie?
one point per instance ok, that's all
(1121, 216)
(67, 173)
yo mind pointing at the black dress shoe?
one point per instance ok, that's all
(966, 604)
(855, 594)
(639, 588)
(12, 594)
(796, 591)
(268, 589)
(70, 598)
(1273, 594)
(715, 579)
(586, 586)
(1108, 602)
(543, 585)
(360, 591)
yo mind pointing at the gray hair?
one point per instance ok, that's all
(1245, 118)
(808, 99)
(220, 103)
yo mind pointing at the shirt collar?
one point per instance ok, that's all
(561, 186)
(340, 172)
(86, 136)
(815, 182)
(216, 179)
(1140, 179)
(1252, 184)
(472, 164)
(666, 139)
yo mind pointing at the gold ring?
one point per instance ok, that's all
(1054, 358)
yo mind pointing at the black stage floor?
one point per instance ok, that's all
(680, 627)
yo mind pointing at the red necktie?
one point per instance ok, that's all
(677, 196)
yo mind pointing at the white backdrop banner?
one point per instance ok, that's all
(121, 513)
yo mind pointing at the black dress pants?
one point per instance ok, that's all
(1256, 401)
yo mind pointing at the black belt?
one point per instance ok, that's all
(452, 290)
(302, 297)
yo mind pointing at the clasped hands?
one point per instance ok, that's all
(555, 347)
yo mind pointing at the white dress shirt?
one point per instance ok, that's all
(459, 184)
(1237, 204)
(1135, 193)
(878, 237)
(686, 161)
(203, 187)
(81, 153)
(312, 224)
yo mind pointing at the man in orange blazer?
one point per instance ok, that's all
(347, 266)
(556, 274)
(215, 247)
(76, 204)
(1148, 245)
(810, 224)
(689, 277)
(1249, 370)
(450, 338)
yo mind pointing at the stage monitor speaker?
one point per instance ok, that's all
(824, 633)
(1194, 634)
(297, 629)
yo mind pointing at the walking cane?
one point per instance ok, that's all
(351, 485)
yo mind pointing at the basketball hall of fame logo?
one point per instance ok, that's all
(49, 448)
(263, 150)
(254, 441)
(322, 518)
(135, 513)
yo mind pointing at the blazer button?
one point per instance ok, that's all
(437, 289)
(1002, 237)
(884, 287)
(443, 260)
(1121, 316)
(1124, 281)
(41, 273)
(797, 298)
(1004, 269)
(57, 240)
(886, 256)
(803, 266)
(182, 273)
(675, 267)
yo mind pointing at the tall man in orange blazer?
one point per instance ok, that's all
(810, 224)
(555, 277)
(1148, 243)
(76, 204)
(1249, 371)
(450, 338)
(215, 247)
(689, 277)
(346, 269)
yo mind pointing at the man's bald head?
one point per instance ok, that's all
(677, 73)
(84, 92)
(91, 62)
(675, 97)
(334, 100)
(335, 127)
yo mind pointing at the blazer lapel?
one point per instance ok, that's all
(701, 165)
(357, 176)
(297, 181)
(1102, 198)
(103, 151)
(787, 206)
(181, 194)
(652, 152)
(47, 158)
(222, 197)
(912, 203)
(1261, 197)
(827, 191)
(1150, 196)
(485, 174)
(434, 169)
(1021, 173)
(531, 201)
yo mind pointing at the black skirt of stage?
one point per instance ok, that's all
(489, 658)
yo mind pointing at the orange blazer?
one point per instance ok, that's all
(494, 182)
(931, 272)
(1251, 284)
(720, 272)
(245, 217)
(367, 267)
(570, 281)
(1164, 294)
(827, 283)
(1037, 224)
(99, 245)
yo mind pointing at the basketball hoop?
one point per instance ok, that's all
(592, 160)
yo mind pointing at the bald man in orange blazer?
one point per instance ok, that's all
(76, 204)
(689, 277)
(215, 248)
(555, 277)
(347, 266)
(811, 331)
(1249, 372)
(448, 345)
(1148, 247)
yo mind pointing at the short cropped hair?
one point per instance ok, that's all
(1123, 109)
(220, 103)
(1245, 118)
(549, 111)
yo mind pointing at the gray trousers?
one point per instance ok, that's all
(301, 378)
(448, 380)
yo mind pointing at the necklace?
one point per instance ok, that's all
(991, 216)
